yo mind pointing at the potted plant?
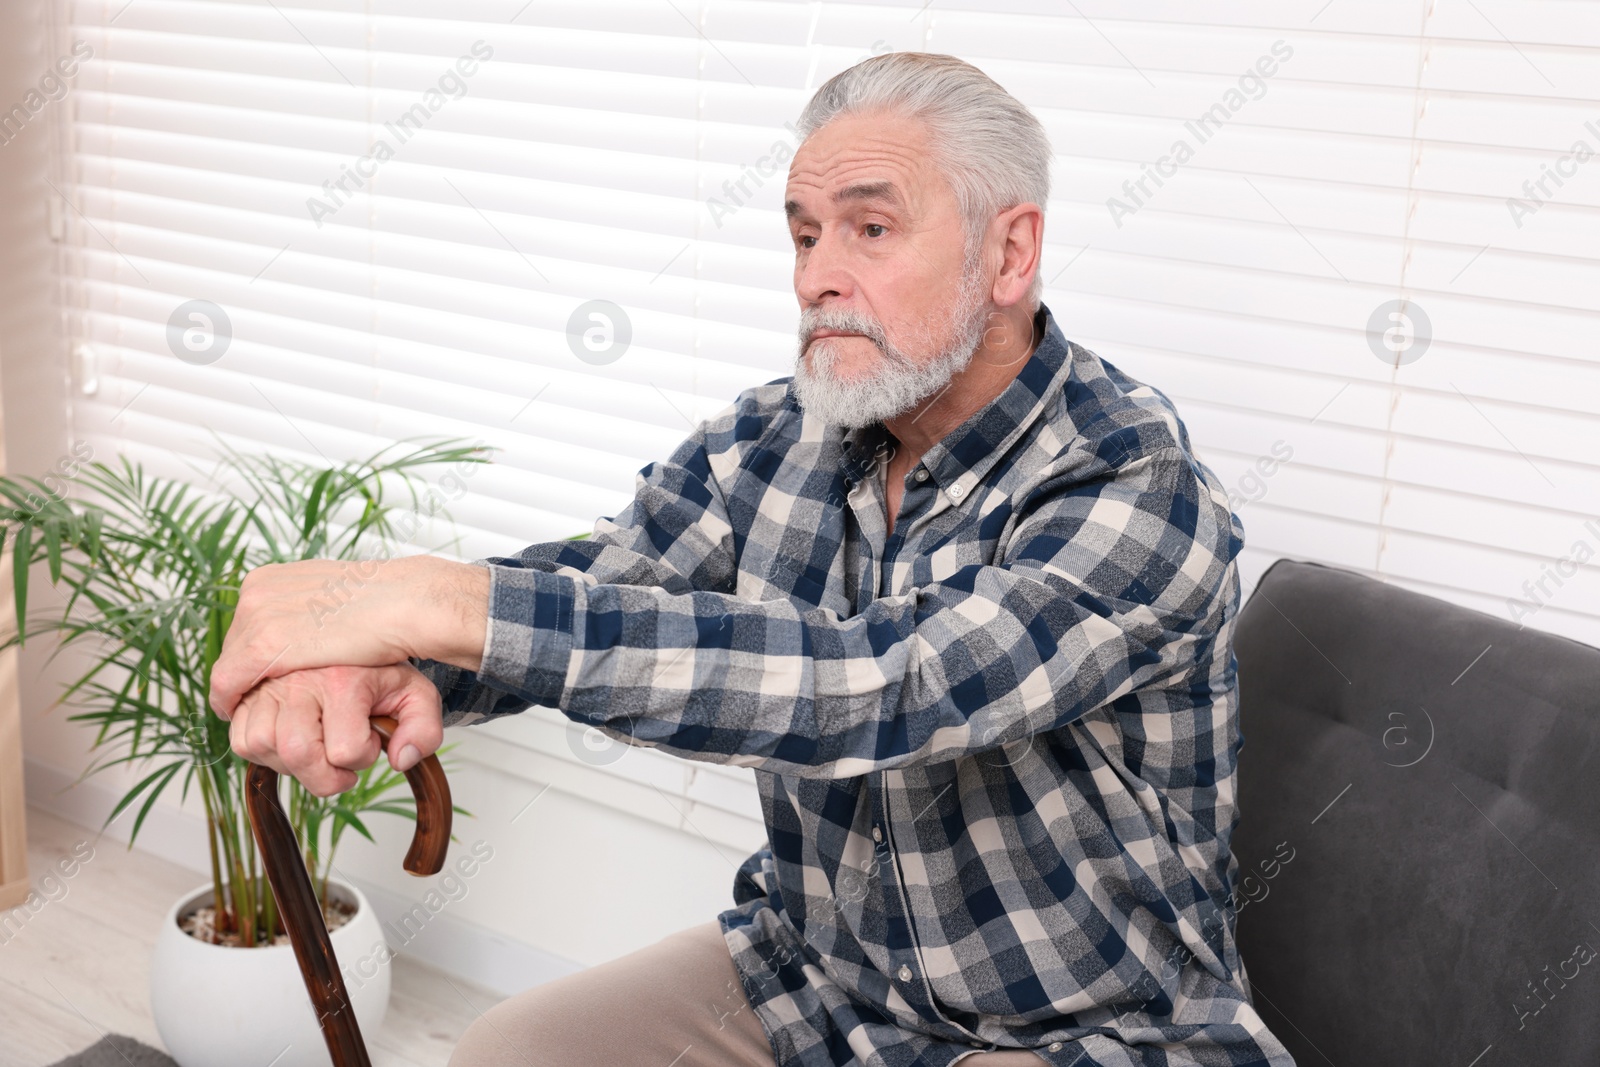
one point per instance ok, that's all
(151, 569)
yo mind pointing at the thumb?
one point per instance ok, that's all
(413, 702)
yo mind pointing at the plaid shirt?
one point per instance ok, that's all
(995, 749)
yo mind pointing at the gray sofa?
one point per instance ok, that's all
(1419, 835)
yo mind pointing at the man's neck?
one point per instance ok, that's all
(1007, 343)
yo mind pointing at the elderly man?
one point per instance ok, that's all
(960, 593)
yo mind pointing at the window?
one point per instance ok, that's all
(1354, 241)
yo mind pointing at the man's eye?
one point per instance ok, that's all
(802, 241)
(869, 227)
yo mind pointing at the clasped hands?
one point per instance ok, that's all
(318, 647)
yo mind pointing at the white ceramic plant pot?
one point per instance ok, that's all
(218, 1006)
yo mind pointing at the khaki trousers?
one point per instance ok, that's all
(676, 1003)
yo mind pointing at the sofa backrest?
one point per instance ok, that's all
(1419, 834)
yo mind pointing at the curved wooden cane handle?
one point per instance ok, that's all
(297, 902)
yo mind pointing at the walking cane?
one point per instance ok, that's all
(297, 903)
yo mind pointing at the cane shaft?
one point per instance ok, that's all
(297, 901)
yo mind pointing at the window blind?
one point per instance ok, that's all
(1354, 241)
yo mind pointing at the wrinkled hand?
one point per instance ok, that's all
(364, 613)
(314, 724)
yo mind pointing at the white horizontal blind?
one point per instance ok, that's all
(567, 158)
(1372, 164)
(634, 152)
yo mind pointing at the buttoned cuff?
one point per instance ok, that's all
(527, 642)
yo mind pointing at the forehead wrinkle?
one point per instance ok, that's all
(881, 190)
(903, 163)
(878, 190)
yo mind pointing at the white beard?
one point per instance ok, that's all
(901, 382)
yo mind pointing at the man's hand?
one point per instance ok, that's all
(314, 724)
(365, 613)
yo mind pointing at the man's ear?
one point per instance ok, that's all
(1018, 233)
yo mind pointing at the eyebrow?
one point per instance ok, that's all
(881, 191)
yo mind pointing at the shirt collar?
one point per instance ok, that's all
(961, 459)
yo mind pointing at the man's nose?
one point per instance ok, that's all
(822, 274)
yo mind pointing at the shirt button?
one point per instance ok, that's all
(956, 492)
(1055, 1046)
(905, 973)
(922, 474)
(877, 834)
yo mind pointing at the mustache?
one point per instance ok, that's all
(815, 319)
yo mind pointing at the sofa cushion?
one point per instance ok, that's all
(1419, 834)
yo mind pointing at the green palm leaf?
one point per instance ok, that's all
(151, 569)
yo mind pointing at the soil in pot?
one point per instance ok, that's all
(201, 924)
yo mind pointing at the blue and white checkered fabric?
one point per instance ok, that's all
(995, 749)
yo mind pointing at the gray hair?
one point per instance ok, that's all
(990, 148)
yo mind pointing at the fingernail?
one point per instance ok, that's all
(408, 758)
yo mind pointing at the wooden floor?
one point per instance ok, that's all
(80, 967)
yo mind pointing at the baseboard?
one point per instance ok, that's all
(464, 950)
(179, 837)
(460, 949)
